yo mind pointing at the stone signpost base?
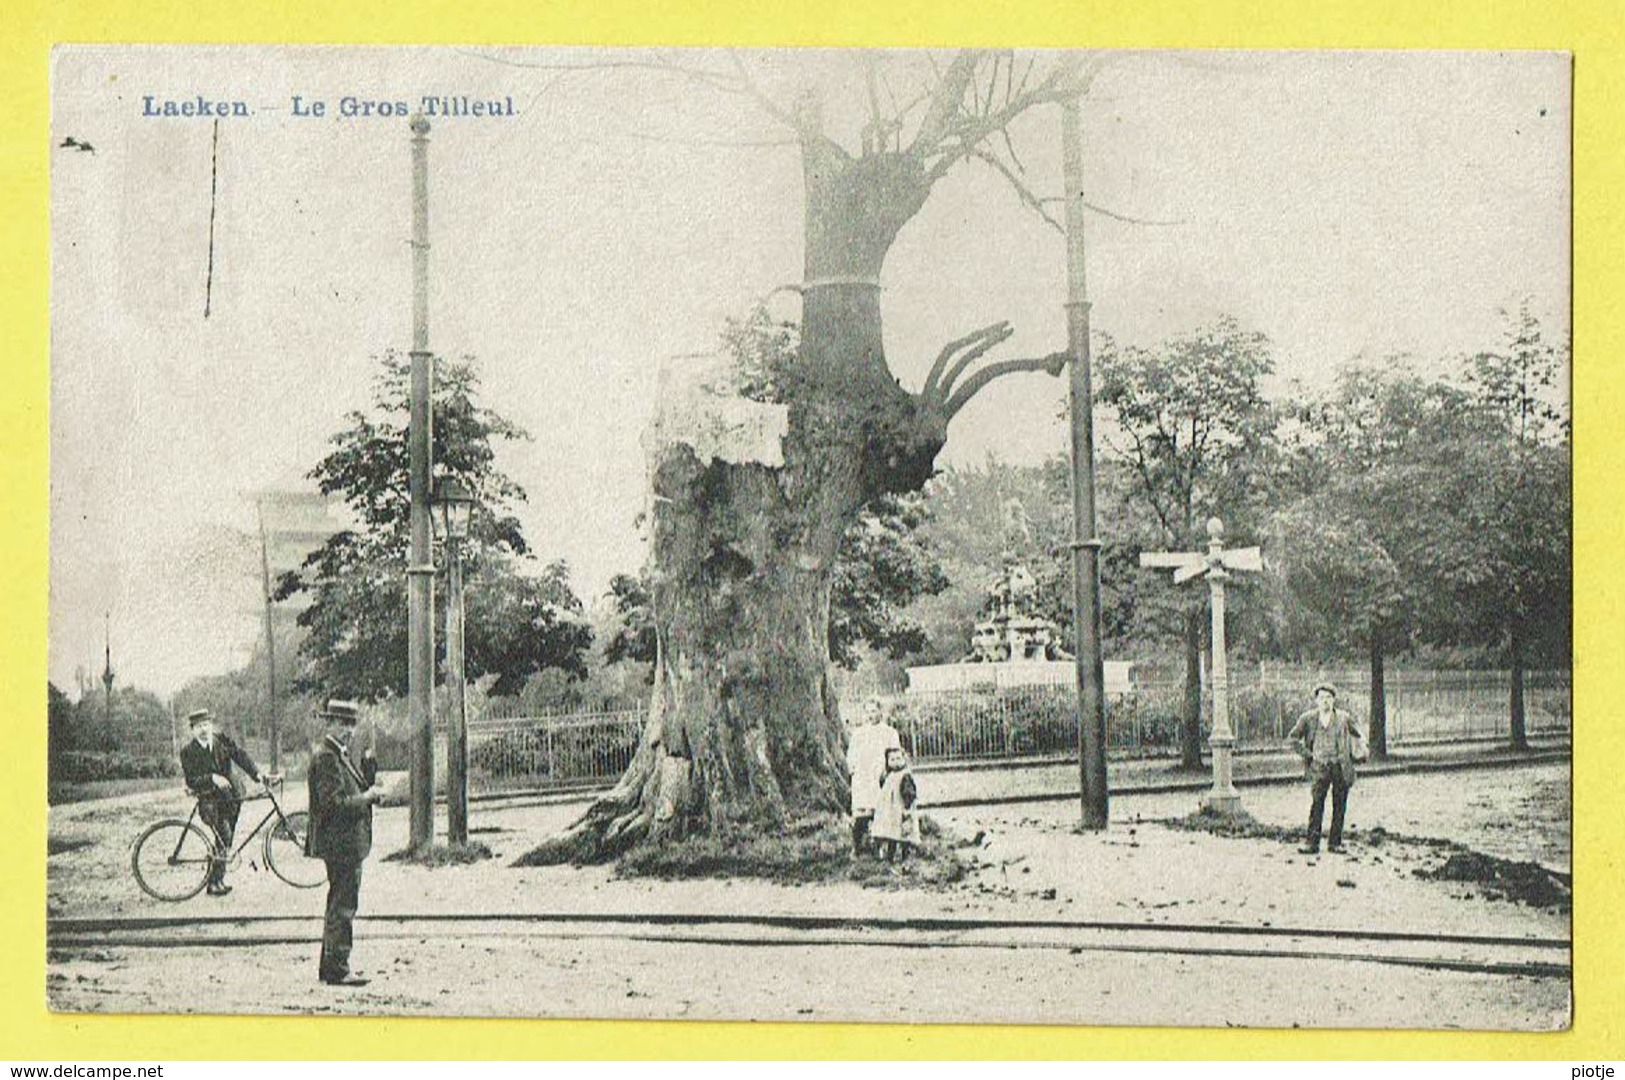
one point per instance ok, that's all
(1222, 798)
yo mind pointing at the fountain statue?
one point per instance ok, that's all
(1010, 628)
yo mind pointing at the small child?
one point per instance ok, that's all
(896, 826)
(866, 748)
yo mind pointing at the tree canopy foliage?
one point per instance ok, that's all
(521, 617)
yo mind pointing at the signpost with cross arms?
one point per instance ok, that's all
(1218, 566)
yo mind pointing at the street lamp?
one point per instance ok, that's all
(453, 507)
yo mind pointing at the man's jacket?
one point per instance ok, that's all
(200, 764)
(1332, 745)
(340, 815)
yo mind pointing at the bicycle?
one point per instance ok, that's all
(171, 859)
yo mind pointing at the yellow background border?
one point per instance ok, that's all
(1594, 31)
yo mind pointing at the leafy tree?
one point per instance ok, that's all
(634, 634)
(884, 565)
(1189, 425)
(58, 723)
(1508, 560)
(520, 617)
(95, 738)
(1368, 460)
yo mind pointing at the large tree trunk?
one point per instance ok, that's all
(1190, 727)
(1377, 729)
(1520, 736)
(744, 729)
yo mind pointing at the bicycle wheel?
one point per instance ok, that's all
(285, 852)
(171, 860)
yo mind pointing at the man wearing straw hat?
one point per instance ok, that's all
(342, 796)
(206, 763)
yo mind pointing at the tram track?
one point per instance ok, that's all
(1536, 957)
(1543, 755)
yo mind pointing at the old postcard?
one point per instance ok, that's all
(1059, 537)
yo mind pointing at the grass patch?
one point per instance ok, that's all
(437, 855)
(816, 850)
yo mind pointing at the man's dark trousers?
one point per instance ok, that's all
(1329, 777)
(219, 812)
(343, 897)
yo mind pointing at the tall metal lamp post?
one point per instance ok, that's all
(1085, 543)
(420, 452)
(453, 507)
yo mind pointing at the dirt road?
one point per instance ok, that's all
(1030, 865)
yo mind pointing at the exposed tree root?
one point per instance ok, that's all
(610, 826)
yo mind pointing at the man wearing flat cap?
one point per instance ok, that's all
(342, 795)
(206, 763)
(1330, 742)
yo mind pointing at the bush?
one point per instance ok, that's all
(88, 766)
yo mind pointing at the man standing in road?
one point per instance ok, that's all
(206, 763)
(1330, 743)
(342, 796)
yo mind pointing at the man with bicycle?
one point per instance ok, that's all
(206, 763)
(342, 795)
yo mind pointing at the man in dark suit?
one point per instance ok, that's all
(342, 796)
(206, 763)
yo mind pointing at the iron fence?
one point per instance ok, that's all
(1422, 706)
(509, 752)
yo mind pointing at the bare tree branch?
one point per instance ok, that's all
(1027, 197)
(960, 135)
(1053, 364)
(1010, 148)
(873, 138)
(1127, 219)
(999, 331)
(945, 385)
(771, 107)
(731, 144)
(992, 83)
(715, 79)
(946, 100)
(1026, 74)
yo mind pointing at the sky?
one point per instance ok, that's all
(1345, 204)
